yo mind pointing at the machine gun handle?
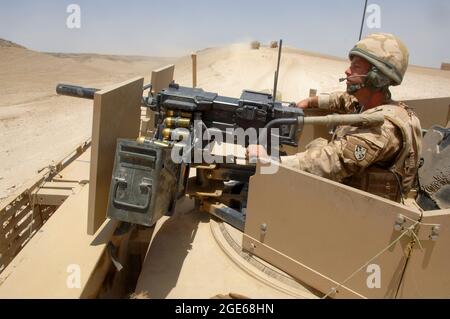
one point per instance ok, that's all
(366, 120)
(128, 206)
(76, 91)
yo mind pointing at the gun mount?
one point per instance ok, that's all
(151, 173)
(147, 180)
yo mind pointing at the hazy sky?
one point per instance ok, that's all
(178, 27)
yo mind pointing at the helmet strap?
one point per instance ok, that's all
(387, 93)
(353, 88)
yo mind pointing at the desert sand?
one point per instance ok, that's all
(38, 127)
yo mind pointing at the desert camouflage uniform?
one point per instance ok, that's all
(354, 149)
(353, 152)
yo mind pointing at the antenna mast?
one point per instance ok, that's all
(277, 72)
(362, 22)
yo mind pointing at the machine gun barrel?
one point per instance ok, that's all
(76, 91)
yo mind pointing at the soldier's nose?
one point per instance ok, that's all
(348, 72)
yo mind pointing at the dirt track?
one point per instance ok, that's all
(37, 126)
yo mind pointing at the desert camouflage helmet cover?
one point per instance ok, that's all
(385, 51)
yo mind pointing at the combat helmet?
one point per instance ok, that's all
(387, 53)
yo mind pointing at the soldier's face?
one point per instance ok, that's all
(358, 67)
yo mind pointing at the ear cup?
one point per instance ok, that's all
(376, 80)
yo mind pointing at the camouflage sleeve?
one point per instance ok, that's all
(350, 154)
(338, 102)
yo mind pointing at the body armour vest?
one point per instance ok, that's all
(397, 179)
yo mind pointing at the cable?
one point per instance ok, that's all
(406, 231)
(403, 273)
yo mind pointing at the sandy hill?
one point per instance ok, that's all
(38, 126)
(230, 69)
(8, 44)
(28, 76)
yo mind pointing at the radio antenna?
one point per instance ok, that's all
(362, 22)
(277, 72)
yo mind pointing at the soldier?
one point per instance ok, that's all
(382, 160)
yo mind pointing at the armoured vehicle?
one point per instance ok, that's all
(135, 213)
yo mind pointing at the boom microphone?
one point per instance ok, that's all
(353, 76)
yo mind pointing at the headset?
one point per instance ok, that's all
(374, 80)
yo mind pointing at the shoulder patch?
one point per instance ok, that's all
(360, 152)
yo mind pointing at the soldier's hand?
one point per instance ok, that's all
(256, 151)
(303, 104)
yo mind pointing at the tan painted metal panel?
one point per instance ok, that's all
(55, 197)
(320, 231)
(427, 274)
(194, 69)
(40, 270)
(184, 260)
(431, 111)
(117, 111)
(160, 79)
(77, 171)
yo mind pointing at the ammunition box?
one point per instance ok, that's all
(143, 182)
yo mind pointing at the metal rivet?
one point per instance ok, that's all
(435, 232)
(436, 229)
(434, 237)
(399, 221)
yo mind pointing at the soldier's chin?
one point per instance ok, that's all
(349, 89)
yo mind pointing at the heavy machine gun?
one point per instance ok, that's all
(151, 173)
